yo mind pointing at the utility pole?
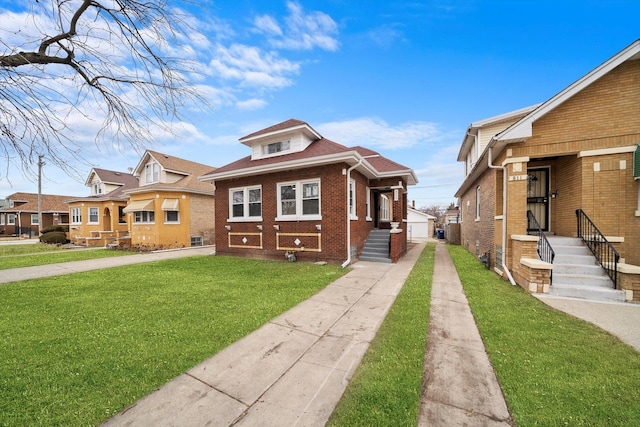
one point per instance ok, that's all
(40, 164)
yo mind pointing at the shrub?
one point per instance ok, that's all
(55, 228)
(54, 237)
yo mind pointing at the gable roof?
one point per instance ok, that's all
(523, 128)
(288, 126)
(29, 203)
(321, 151)
(190, 170)
(113, 177)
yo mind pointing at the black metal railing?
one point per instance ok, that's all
(600, 247)
(545, 251)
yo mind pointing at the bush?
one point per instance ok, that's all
(55, 228)
(54, 237)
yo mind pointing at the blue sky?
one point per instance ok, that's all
(404, 78)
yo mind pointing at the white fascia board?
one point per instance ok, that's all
(276, 167)
(309, 131)
(142, 162)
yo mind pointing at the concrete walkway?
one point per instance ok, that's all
(460, 387)
(28, 273)
(619, 319)
(290, 372)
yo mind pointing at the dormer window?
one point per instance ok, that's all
(152, 172)
(276, 147)
(97, 188)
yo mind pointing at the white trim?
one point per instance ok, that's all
(246, 217)
(299, 216)
(89, 215)
(606, 151)
(510, 160)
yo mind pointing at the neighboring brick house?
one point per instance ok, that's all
(99, 219)
(20, 214)
(574, 151)
(171, 207)
(301, 193)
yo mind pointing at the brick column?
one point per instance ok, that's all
(517, 180)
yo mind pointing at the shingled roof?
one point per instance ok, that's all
(319, 152)
(28, 202)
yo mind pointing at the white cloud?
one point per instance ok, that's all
(301, 30)
(386, 35)
(371, 132)
(251, 104)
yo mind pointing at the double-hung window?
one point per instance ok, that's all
(245, 204)
(93, 216)
(299, 200)
(152, 172)
(352, 199)
(11, 219)
(76, 215)
(34, 219)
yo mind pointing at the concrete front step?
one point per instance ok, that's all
(374, 259)
(376, 248)
(571, 250)
(586, 292)
(564, 241)
(593, 270)
(574, 259)
(583, 280)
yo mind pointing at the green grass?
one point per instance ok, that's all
(29, 255)
(385, 389)
(77, 349)
(554, 369)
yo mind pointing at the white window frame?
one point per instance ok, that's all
(97, 215)
(11, 219)
(76, 215)
(385, 208)
(144, 217)
(97, 188)
(34, 219)
(173, 221)
(299, 215)
(152, 172)
(478, 203)
(276, 148)
(368, 203)
(353, 206)
(2, 216)
(246, 217)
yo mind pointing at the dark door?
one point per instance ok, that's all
(538, 196)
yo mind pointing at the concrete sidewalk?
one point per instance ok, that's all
(290, 372)
(460, 387)
(28, 273)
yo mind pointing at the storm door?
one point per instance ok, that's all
(538, 197)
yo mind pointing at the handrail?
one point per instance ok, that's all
(545, 251)
(600, 247)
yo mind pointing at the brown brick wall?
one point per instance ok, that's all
(202, 217)
(478, 235)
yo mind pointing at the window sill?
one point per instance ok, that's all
(299, 218)
(353, 217)
(172, 223)
(247, 219)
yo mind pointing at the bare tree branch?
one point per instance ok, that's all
(101, 61)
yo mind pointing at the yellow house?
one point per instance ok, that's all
(99, 219)
(551, 195)
(170, 208)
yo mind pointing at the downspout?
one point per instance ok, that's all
(348, 261)
(504, 214)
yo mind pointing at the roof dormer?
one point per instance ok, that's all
(291, 136)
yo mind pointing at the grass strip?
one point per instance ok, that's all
(77, 349)
(385, 389)
(554, 369)
(28, 248)
(44, 257)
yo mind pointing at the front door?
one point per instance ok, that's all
(538, 197)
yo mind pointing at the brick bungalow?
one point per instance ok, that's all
(20, 215)
(99, 219)
(571, 155)
(301, 193)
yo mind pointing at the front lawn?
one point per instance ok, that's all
(554, 369)
(29, 255)
(77, 349)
